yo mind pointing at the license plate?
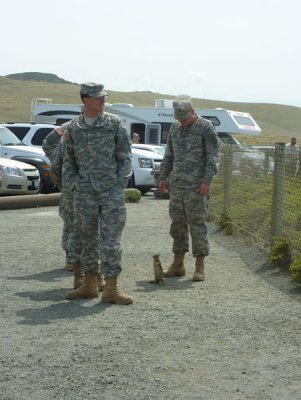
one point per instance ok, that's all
(35, 184)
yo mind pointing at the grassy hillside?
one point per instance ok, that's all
(278, 122)
(37, 76)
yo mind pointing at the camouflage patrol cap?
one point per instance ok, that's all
(182, 106)
(93, 89)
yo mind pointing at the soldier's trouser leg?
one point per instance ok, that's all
(112, 222)
(196, 213)
(179, 226)
(188, 209)
(86, 214)
(65, 235)
(64, 215)
(73, 239)
(109, 208)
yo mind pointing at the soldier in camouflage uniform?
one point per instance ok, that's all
(50, 146)
(97, 166)
(190, 162)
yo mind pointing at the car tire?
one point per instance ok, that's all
(131, 183)
(143, 189)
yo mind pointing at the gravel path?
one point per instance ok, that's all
(235, 336)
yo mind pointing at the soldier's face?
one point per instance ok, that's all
(94, 104)
(189, 120)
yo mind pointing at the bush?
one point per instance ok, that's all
(132, 195)
(280, 255)
(226, 224)
(295, 269)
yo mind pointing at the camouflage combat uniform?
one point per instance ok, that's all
(70, 236)
(54, 149)
(190, 159)
(97, 167)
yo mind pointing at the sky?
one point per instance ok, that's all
(230, 50)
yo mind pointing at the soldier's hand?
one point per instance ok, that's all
(163, 186)
(58, 130)
(204, 189)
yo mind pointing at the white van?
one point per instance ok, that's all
(151, 123)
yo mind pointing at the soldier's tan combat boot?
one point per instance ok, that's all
(100, 281)
(68, 266)
(199, 274)
(88, 289)
(177, 267)
(78, 276)
(111, 294)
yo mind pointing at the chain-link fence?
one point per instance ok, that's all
(257, 194)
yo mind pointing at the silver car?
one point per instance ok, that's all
(18, 178)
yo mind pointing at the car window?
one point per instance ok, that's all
(7, 137)
(226, 138)
(40, 135)
(19, 131)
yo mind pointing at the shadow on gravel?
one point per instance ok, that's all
(45, 276)
(167, 284)
(49, 295)
(61, 311)
(280, 278)
(256, 260)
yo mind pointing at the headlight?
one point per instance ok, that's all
(145, 162)
(10, 170)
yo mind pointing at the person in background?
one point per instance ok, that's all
(189, 163)
(135, 138)
(292, 157)
(97, 166)
(50, 146)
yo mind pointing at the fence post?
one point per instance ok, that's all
(228, 153)
(278, 190)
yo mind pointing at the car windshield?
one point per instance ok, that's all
(156, 149)
(228, 139)
(7, 138)
(160, 150)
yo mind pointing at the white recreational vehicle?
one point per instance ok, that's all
(151, 123)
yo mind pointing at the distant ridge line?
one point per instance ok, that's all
(37, 76)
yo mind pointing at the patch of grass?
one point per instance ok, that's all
(251, 208)
(295, 269)
(225, 223)
(280, 253)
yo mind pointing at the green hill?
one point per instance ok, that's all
(16, 91)
(36, 76)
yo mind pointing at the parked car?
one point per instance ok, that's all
(247, 159)
(11, 147)
(29, 133)
(143, 159)
(18, 178)
(143, 163)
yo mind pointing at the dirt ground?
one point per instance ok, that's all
(235, 336)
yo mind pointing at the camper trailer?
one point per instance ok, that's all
(151, 123)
